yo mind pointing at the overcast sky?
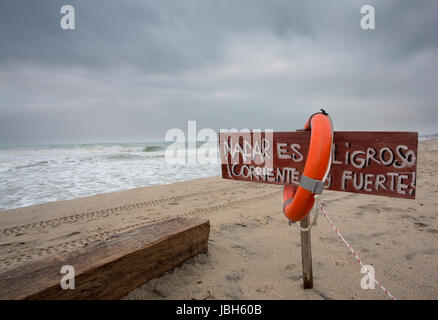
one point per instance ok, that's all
(131, 70)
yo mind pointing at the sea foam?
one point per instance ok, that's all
(37, 174)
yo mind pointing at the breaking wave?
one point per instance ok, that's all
(37, 174)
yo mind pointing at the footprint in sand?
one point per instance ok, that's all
(421, 225)
(235, 276)
(295, 278)
(265, 289)
(409, 256)
(234, 290)
(244, 252)
(290, 267)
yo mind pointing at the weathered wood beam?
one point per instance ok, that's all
(306, 254)
(111, 269)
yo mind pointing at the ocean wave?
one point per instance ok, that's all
(123, 156)
(32, 164)
(31, 175)
(128, 156)
(154, 148)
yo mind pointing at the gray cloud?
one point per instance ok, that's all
(131, 71)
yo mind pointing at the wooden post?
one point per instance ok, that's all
(306, 254)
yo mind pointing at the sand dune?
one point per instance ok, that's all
(253, 253)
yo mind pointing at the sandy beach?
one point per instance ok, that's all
(253, 253)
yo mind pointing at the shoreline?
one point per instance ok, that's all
(105, 193)
(154, 184)
(253, 253)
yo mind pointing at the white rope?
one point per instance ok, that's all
(318, 207)
(355, 253)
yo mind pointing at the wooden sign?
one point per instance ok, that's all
(377, 163)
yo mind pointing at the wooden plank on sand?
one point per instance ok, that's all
(111, 269)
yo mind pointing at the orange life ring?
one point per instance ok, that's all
(298, 201)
